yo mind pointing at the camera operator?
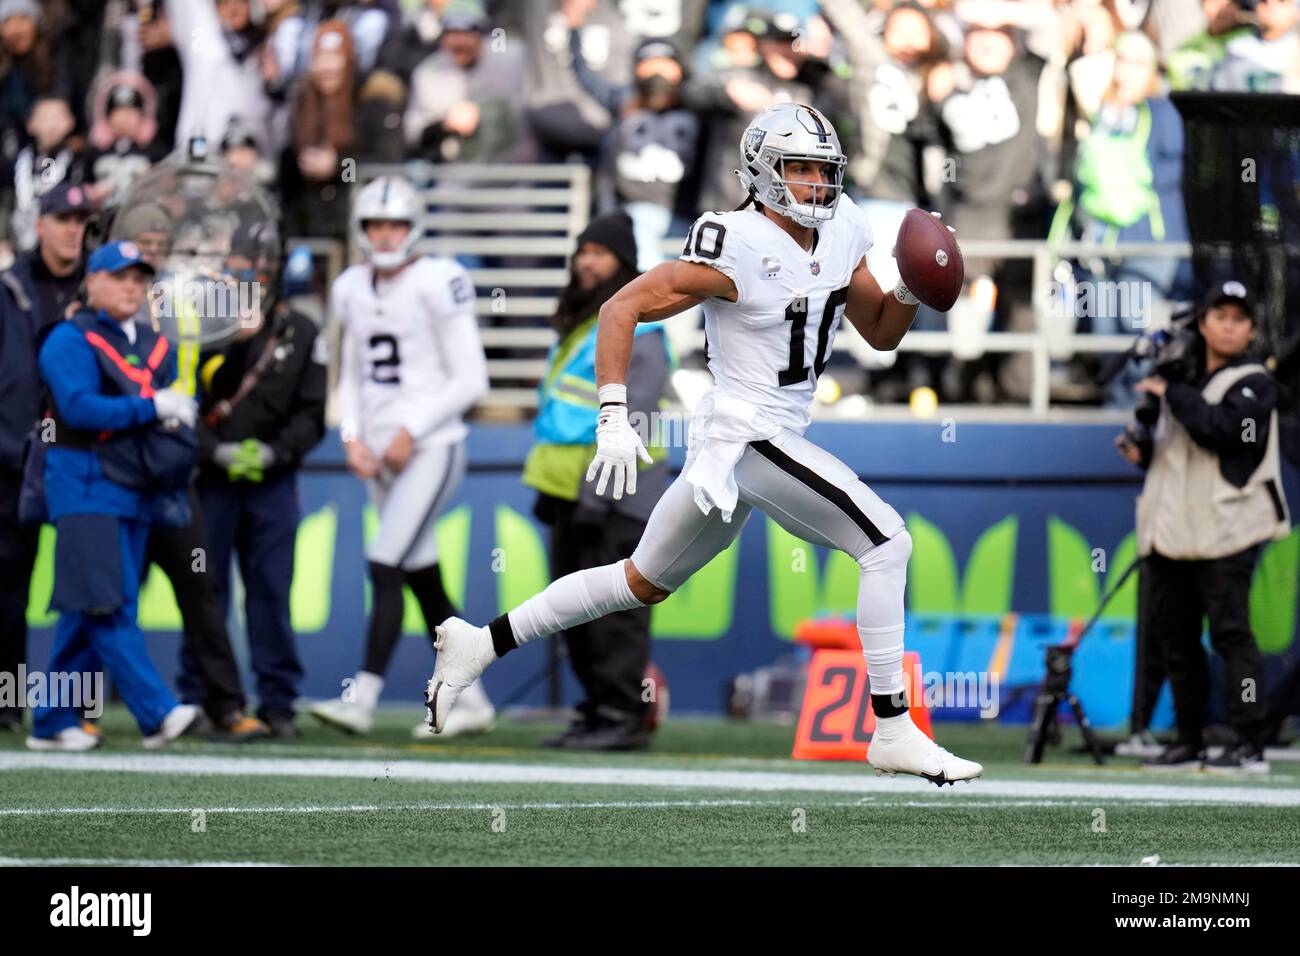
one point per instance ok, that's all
(1211, 498)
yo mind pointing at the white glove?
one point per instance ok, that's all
(617, 448)
(172, 405)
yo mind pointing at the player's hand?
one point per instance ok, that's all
(171, 405)
(618, 446)
(399, 450)
(361, 460)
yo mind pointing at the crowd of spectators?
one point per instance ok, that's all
(1012, 117)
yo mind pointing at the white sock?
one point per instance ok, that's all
(888, 727)
(574, 599)
(366, 691)
(882, 587)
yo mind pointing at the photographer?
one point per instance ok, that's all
(1212, 497)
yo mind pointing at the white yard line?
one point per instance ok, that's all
(398, 807)
(111, 861)
(528, 805)
(735, 781)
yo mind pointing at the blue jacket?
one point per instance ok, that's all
(74, 481)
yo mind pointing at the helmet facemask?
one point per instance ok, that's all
(392, 258)
(820, 206)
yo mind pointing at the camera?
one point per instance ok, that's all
(1172, 353)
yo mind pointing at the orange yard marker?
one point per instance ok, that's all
(836, 721)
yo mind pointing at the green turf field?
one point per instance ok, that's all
(712, 792)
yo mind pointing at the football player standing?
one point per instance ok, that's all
(412, 365)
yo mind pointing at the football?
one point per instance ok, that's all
(929, 260)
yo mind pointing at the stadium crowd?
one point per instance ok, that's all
(1012, 117)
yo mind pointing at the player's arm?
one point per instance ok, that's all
(667, 289)
(882, 318)
(361, 460)
(465, 375)
(662, 292)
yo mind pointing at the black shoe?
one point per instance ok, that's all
(577, 728)
(1177, 757)
(1239, 758)
(238, 728)
(12, 725)
(626, 733)
(282, 726)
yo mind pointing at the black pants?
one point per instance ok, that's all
(609, 655)
(1149, 663)
(1180, 593)
(17, 557)
(259, 524)
(176, 551)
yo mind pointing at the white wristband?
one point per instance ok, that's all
(904, 295)
(613, 392)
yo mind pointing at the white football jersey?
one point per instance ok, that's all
(411, 352)
(770, 345)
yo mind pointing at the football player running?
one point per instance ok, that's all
(775, 282)
(412, 365)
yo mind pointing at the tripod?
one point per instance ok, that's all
(1056, 688)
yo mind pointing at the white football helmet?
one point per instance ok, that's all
(390, 198)
(780, 134)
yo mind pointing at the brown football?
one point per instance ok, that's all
(929, 260)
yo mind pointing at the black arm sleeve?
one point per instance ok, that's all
(1219, 428)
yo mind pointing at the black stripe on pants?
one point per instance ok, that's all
(836, 496)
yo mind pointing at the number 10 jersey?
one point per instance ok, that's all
(770, 345)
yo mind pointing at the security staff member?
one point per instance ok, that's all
(214, 681)
(1212, 497)
(263, 409)
(37, 289)
(121, 456)
(609, 655)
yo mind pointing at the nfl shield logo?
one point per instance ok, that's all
(816, 268)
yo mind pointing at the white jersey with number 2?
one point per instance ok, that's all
(770, 345)
(411, 352)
